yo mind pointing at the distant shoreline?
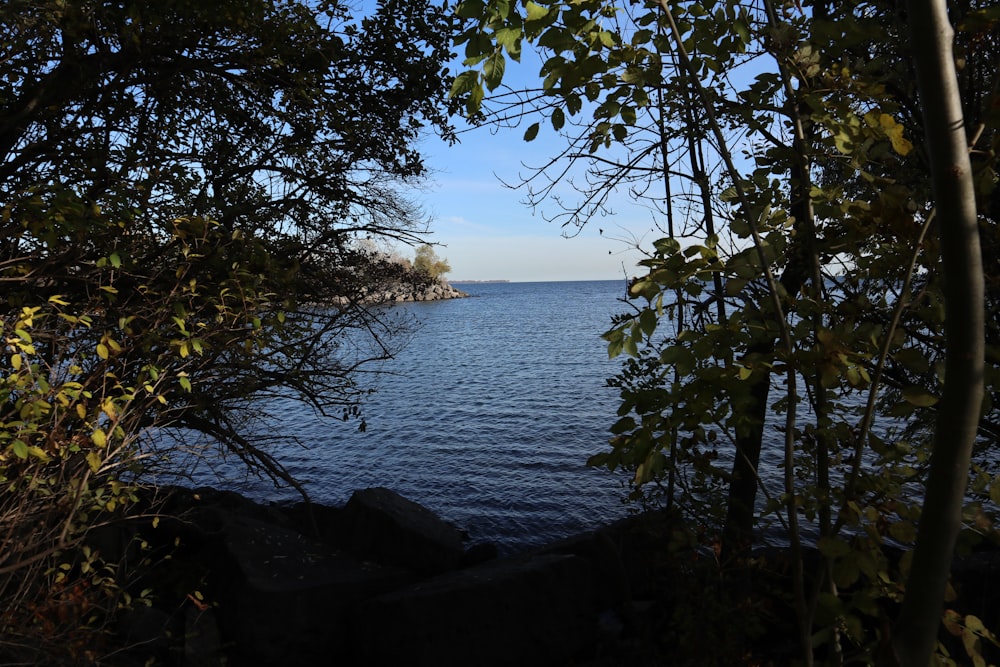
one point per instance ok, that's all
(475, 282)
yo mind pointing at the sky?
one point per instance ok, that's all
(487, 232)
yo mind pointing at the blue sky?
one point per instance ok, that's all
(486, 230)
(488, 233)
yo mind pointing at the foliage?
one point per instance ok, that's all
(240, 199)
(787, 332)
(185, 194)
(427, 262)
(65, 450)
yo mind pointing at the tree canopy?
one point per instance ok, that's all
(786, 343)
(187, 190)
(427, 262)
(170, 165)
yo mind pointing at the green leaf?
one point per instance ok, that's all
(464, 83)
(470, 9)
(919, 397)
(623, 425)
(680, 358)
(641, 36)
(558, 119)
(510, 39)
(475, 101)
(556, 38)
(616, 341)
(903, 531)
(734, 286)
(20, 448)
(536, 12)
(742, 30)
(493, 70)
(647, 322)
(630, 347)
(912, 359)
(573, 104)
(531, 132)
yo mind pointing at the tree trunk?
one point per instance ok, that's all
(919, 620)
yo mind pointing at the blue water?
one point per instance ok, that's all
(487, 417)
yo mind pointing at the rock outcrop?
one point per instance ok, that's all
(534, 610)
(384, 527)
(381, 582)
(436, 291)
(402, 292)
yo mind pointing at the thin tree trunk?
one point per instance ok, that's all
(958, 415)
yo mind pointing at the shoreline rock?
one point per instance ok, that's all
(382, 581)
(405, 293)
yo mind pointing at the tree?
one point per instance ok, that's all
(961, 260)
(796, 297)
(428, 263)
(184, 189)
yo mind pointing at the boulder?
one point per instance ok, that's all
(526, 611)
(380, 525)
(285, 599)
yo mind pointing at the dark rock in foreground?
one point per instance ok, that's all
(382, 582)
(381, 525)
(524, 611)
(385, 582)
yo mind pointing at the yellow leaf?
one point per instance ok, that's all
(894, 131)
(81, 411)
(39, 453)
(94, 461)
(102, 350)
(108, 407)
(952, 622)
(99, 438)
(15, 361)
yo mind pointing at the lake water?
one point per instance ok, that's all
(487, 418)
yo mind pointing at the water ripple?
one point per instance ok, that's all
(487, 417)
